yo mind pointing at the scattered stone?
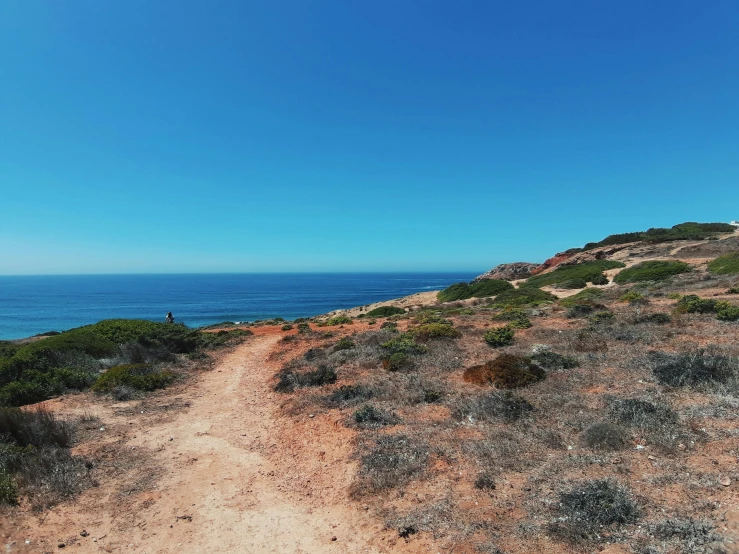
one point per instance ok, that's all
(84, 533)
(61, 545)
(724, 480)
(333, 538)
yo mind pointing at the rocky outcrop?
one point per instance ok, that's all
(551, 262)
(508, 272)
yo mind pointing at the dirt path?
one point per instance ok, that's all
(234, 477)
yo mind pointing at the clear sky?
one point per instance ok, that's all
(182, 136)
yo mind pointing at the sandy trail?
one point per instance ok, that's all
(236, 479)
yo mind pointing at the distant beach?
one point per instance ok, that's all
(36, 304)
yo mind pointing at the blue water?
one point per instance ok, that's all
(36, 304)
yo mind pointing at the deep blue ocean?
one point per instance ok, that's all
(35, 304)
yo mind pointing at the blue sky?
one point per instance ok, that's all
(186, 136)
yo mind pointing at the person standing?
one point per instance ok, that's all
(169, 318)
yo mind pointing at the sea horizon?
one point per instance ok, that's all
(34, 304)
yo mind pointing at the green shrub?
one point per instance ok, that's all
(631, 296)
(303, 327)
(589, 294)
(521, 323)
(727, 312)
(385, 311)
(345, 343)
(728, 264)
(586, 271)
(430, 331)
(602, 316)
(657, 318)
(651, 271)
(584, 308)
(223, 337)
(339, 320)
(8, 490)
(573, 284)
(482, 288)
(500, 336)
(600, 279)
(404, 343)
(693, 304)
(733, 290)
(287, 327)
(397, 362)
(523, 296)
(137, 376)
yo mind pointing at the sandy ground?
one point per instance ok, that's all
(426, 298)
(227, 474)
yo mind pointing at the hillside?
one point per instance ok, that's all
(588, 405)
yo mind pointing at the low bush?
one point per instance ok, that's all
(693, 304)
(492, 406)
(658, 318)
(304, 327)
(405, 344)
(521, 323)
(288, 380)
(507, 371)
(485, 482)
(391, 325)
(287, 327)
(344, 343)
(605, 436)
(373, 417)
(632, 296)
(600, 279)
(692, 368)
(733, 290)
(339, 320)
(728, 264)
(485, 287)
(584, 296)
(399, 361)
(651, 271)
(584, 308)
(517, 316)
(348, 395)
(394, 461)
(592, 505)
(523, 296)
(223, 338)
(553, 361)
(727, 312)
(35, 460)
(385, 311)
(572, 284)
(498, 337)
(694, 534)
(643, 414)
(141, 377)
(8, 490)
(602, 316)
(588, 340)
(429, 331)
(586, 271)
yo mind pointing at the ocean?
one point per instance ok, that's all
(36, 304)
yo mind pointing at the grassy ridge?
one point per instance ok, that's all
(73, 360)
(581, 272)
(462, 291)
(683, 231)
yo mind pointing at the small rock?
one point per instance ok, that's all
(311, 415)
(640, 447)
(61, 545)
(333, 538)
(84, 533)
(171, 438)
(650, 457)
(724, 480)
